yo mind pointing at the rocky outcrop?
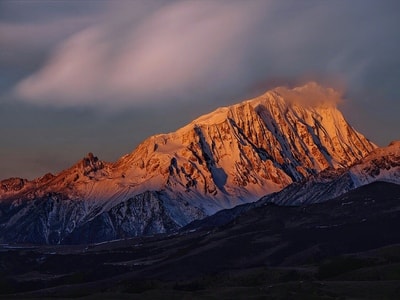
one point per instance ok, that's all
(12, 184)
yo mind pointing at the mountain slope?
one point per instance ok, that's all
(381, 165)
(231, 156)
(239, 153)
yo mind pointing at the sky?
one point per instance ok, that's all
(101, 76)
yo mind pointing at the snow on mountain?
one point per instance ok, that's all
(233, 155)
(382, 164)
(237, 154)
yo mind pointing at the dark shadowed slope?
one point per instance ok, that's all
(329, 250)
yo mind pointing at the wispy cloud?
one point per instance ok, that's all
(145, 54)
(178, 48)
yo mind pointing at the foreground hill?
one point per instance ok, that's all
(344, 248)
(231, 156)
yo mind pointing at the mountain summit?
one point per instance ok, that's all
(238, 153)
(233, 155)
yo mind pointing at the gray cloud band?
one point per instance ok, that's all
(184, 48)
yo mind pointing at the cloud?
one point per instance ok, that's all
(148, 54)
(176, 49)
(311, 94)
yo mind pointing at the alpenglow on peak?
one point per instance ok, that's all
(233, 155)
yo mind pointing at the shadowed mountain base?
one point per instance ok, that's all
(347, 247)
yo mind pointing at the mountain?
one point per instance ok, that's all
(231, 156)
(381, 165)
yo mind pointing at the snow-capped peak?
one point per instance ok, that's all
(236, 154)
(233, 155)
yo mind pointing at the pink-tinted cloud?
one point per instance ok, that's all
(147, 52)
(175, 50)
